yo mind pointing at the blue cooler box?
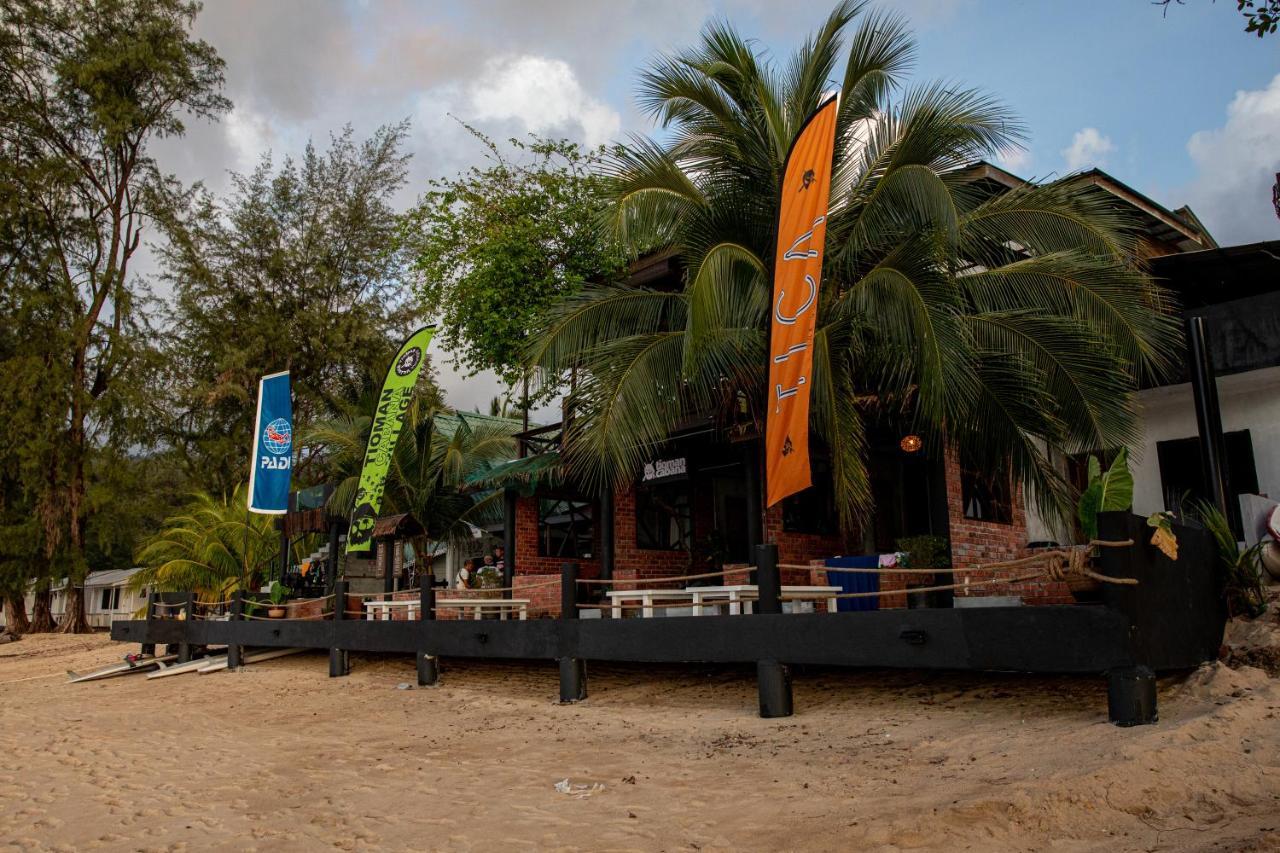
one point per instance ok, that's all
(855, 582)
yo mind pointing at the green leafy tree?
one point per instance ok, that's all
(85, 87)
(295, 269)
(1014, 324)
(493, 246)
(438, 451)
(213, 547)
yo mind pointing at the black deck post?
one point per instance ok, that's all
(773, 678)
(428, 669)
(237, 615)
(510, 501)
(573, 672)
(339, 662)
(1131, 696)
(189, 612)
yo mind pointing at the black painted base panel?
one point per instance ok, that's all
(1025, 639)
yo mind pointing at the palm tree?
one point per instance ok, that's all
(437, 452)
(1012, 324)
(213, 547)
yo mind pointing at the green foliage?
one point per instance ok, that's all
(493, 246)
(1109, 492)
(1261, 16)
(1243, 577)
(295, 269)
(437, 451)
(926, 552)
(213, 547)
(85, 87)
(925, 308)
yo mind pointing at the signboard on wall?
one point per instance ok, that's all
(665, 470)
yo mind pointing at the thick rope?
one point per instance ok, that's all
(739, 571)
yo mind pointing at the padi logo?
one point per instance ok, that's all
(407, 362)
(278, 436)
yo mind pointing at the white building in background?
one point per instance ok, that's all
(108, 596)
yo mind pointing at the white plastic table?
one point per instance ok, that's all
(479, 606)
(740, 597)
(646, 597)
(379, 610)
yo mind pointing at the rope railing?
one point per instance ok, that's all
(737, 571)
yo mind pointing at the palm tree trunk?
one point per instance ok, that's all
(42, 612)
(15, 615)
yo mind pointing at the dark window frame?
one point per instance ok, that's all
(987, 497)
(657, 506)
(580, 511)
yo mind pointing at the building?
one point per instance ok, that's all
(108, 596)
(695, 506)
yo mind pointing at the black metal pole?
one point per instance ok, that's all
(510, 501)
(573, 672)
(428, 669)
(768, 579)
(1209, 419)
(237, 615)
(339, 663)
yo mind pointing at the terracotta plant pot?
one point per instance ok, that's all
(275, 612)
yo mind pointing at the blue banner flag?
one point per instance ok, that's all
(272, 463)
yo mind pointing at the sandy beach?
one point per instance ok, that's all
(280, 757)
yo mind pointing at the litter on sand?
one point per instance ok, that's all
(579, 792)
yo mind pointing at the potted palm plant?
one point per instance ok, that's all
(276, 595)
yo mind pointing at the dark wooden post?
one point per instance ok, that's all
(237, 615)
(149, 647)
(751, 455)
(189, 610)
(773, 678)
(387, 555)
(606, 534)
(510, 502)
(428, 668)
(333, 556)
(573, 672)
(284, 551)
(339, 662)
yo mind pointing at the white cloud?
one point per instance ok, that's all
(1088, 148)
(249, 135)
(1016, 160)
(544, 95)
(1236, 167)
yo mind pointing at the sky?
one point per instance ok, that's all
(1179, 103)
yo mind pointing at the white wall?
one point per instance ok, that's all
(1248, 400)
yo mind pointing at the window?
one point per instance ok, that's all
(566, 527)
(110, 598)
(987, 495)
(664, 521)
(1182, 473)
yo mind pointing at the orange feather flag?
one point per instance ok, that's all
(802, 228)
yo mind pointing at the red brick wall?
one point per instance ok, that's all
(976, 543)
